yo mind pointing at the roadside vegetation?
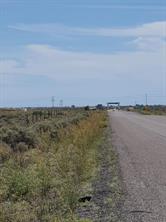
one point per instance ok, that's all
(107, 190)
(151, 110)
(47, 158)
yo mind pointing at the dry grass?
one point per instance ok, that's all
(151, 110)
(45, 183)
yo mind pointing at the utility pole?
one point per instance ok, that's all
(53, 101)
(146, 97)
(61, 103)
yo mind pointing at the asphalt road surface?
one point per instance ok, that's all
(141, 144)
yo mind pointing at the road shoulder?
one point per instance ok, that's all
(107, 188)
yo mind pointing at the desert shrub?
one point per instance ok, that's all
(8, 135)
(42, 127)
(5, 152)
(60, 113)
(20, 211)
(44, 177)
(54, 135)
(28, 137)
(15, 136)
(47, 183)
(19, 184)
(21, 147)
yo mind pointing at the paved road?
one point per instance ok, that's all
(141, 144)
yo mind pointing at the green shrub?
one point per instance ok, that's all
(19, 184)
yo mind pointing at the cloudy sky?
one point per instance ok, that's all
(82, 51)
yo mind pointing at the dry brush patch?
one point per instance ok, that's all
(151, 110)
(44, 182)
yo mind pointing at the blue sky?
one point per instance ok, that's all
(82, 51)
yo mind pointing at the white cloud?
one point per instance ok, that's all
(142, 68)
(149, 43)
(7, 66)
(52, 62)
(154, 29)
